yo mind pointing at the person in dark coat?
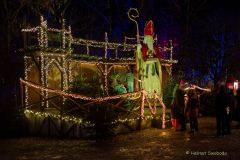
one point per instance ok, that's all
(221, 103)
(180, 108)
(192, 110)
(177, 109)
(175, 115)
(229, 110)
(238, 107)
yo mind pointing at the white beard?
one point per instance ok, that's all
(148, 40)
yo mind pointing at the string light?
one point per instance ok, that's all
(41, 32)
(106, 45)
(63, 34)
(45, 114)
(77, 120)
(63, 58)
(62, 69)
(65, 84)
(73, 95)
(47, 84)
(97, 44)
(70, 73)
(42, 74)
(153, 110)
(70, 38)
(171, 50)
(26, 69)
(44, 34)
(143, 93)
(34, 29)
(128, 61)
(43, 40)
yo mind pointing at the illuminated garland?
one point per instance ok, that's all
(70, 39)
(45, 37)
(46, 81)
(70, 73)
(168, 61)
(105, 73)
(156, 97)
(73, 95)
(141, 38)
(79, 120)
(153, 110)
(65, 82)
(106, 45)
(63, 34)
(43, 29)
(102, 62)
(200, 88)
(143, 92)
(45, 114)
(66, 69)
(35, 29)
(26, 69)
(75, 57)
(43, 76)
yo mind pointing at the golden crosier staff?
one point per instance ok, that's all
(133, 17)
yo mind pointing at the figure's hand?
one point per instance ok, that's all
(193, 86)
(139, 47)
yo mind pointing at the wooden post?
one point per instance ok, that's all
(42, 77)
(63, 34)
(124, 44)
(22, 96)
(62, 79)
(171, 57)
(69, 38)
(171, 50)
(106, 45)
(46, 84)
(139, 127)
(116, 53)
(87, 49)
(105, 78)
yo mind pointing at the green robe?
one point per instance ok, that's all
(152, 76)
(149, 73)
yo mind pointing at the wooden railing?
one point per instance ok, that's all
(67, 42)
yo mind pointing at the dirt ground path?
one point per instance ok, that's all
(149, 144)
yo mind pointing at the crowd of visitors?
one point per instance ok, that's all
(185, 107)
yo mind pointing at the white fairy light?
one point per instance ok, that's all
(63, 35)
(106, 45)
(41, 32)
(45, 36)
(73, 95)
(47, 84)
(69, 38)
(26, 77)
(43, 76)
(64, 60)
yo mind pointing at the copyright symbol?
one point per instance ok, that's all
(187, 152)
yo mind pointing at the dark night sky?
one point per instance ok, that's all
(90, 19)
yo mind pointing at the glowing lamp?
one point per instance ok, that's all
(235, 85)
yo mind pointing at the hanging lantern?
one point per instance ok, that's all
(235, 85)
